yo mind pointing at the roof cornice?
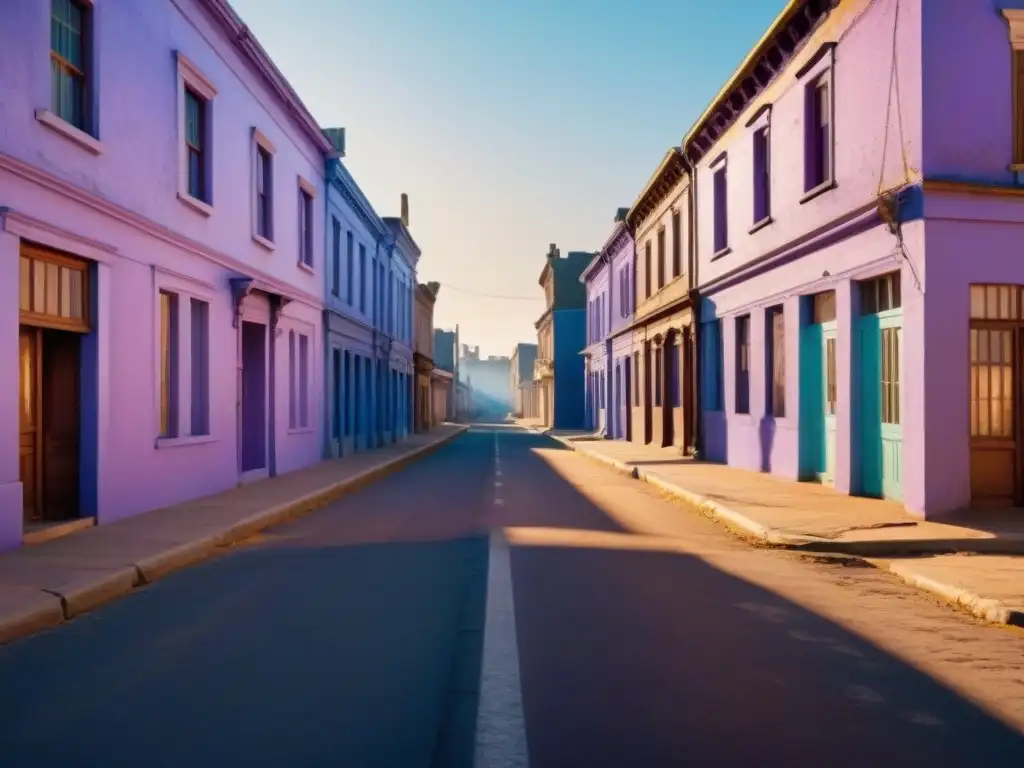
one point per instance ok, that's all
(340, 178)
(670, 171)
(240, 35)
(769, 56)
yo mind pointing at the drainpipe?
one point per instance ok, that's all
(695, 307)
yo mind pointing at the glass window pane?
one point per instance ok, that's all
(978, 302)
(991, 301)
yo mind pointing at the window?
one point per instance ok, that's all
(337, 399)
(712, 379)
(647, 270)
(881, 294)
(200, 405)
(335, 256)
(992, 388)
(776, 367)
(69, 62)
(195, 142)
(298, 380)
(677, 244)
(350, 267)
(743, 364)
(721, 193)
(659, 352)
(636, 378)
(303, 380)
(818, 151)
(168, 364)
(305, 227)
(362, 278)
(264, 193)
(762, 176)
(661, 258)
(292, 401)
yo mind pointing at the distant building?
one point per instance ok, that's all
(521, 377)
(423, 357)
(444, 349)
(490, 380)
(561, 337)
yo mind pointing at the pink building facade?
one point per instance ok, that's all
(161, 252)
(858, 218)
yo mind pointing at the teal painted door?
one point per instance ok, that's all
(812, 406)
(880, 355)
(829, 397)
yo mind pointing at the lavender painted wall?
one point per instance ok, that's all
(96, 199)
(817, 243)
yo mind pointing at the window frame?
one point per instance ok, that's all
(307, 223)
(263, 156)
(192, 80)
(819, 72)
(184, 431)
(86, 134)
(662, 266)
(720, 207)
(677, 243)
(775, 362)
(647, 269)
(335, 257)
(741, 344)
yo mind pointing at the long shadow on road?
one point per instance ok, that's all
(635, 652)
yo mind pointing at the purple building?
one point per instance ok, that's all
(161, 231)
(862, 307)
(609, 282)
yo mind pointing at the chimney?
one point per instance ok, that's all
(553, 251)
(337, 138)
(620, 215)
(405, 209)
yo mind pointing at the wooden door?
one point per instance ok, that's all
(61, 420)
(30, 455)
(995, 361)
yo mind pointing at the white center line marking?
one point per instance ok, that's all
(500, 725)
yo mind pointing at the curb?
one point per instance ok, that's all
(985, 608)
(83, 597)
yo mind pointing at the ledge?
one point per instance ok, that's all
(821, 189)
(758, 226)
(268, 244)
(68, 131)
(306, 267)
(719, 254)
(197, 205)
(300, 430)
(180, 442)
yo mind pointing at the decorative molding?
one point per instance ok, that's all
(953, 186)
(149, 227)
(238, 34)
(193, 77)
(342, 181)
(68, 131)
(52, 236)
(199, 206)
(260, 139)
(668, 175)
(826, 49)
(208, 288)
(1015, 21)
(308, 187)
(770, 56)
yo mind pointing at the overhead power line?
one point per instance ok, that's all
(492, 295)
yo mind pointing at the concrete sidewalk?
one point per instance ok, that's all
(48, 583)
(974, 561)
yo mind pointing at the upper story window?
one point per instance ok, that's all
(70, 38)
(306, 194)
(335, 256)
(263, 189)
(762, 175)
(721, 209)
(818, 149)
(195, 114)
(677, 244)
(661, 258)
(1015, 22)
(647, 269)
(195, 143)
(349, 268)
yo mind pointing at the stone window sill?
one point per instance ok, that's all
(760, 225)
(719, 254)
(197, 205)
(307, 267)
(268, 244)
(181, 442)
(821, 189)
(68, 131)
(300, 430)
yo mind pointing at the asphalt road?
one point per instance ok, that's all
(645, 634)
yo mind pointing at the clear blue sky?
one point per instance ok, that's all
(511, 124)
